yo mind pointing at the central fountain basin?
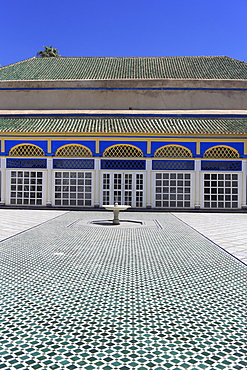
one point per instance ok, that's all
(116, 208)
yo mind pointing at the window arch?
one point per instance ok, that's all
(26, 150)
(73, 150)
(221, 151)
(122, 151)
(173, 151)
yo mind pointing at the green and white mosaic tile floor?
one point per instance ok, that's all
(82, 297)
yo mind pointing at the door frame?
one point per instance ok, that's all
(123, 172)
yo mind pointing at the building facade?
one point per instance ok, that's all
(148, 132)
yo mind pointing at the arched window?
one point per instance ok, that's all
(73, 150)
(26, 150)
(221, 151)
(173, 151)
(123, 151)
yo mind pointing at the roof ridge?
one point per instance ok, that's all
(20, 62)
(126, 57)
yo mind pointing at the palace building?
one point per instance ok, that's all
(161, 133)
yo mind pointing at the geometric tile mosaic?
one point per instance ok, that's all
(122, 164)
(73, 163)
(108, 298)
(26, 163)
(173, 165)
(221, 165)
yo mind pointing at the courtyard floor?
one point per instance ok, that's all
(170, 294)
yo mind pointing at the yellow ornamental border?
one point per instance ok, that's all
(87, 151)
(181, 147)
(221, 151)
(29, 150)
(124, 150)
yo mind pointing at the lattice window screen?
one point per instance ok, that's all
(73, 151)
(123, 151)
(221, 152)
(26, 150)
(173, 151)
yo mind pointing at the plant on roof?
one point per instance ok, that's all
(48, 52)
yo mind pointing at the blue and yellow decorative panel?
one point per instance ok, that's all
(12, 143)
(162, 165)
(139, 144)
(116, 164)
(123, 151)
(79, 164)
(221, 166)
(73, 150)
(235, 145)
(57, 144)
(26, 163)
(189, 145)
(173, 151)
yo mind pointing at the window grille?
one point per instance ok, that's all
(123, 151)
(173, 190)
(73, 164)
(221, 152)
(26, 188)
(73, 188)
(26, 163)
(123, 165)
(73, 150)
(173, 151)
(172, 165)
(221, 190)
(221, 166)
(26, 150)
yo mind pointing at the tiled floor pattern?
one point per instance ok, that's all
(229, 230)
(109, 298)
(14, 221)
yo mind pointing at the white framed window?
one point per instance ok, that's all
(26, 187)
(173, 190)
(73, 188)
(221, 190)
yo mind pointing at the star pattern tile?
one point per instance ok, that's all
(109, 298)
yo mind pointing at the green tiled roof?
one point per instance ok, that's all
(97, 68)
(118, 125)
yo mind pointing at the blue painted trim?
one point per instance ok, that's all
(123, 88)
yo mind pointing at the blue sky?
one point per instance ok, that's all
(123, 28)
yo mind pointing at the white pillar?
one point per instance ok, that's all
(3, 181)
(96, 201)
(149, 196)
(49, 183)
(244, 184)
(197, 190)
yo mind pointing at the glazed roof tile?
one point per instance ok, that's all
(121, 125)
(115, 68)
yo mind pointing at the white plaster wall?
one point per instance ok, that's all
(210, 95)
(123, 99)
